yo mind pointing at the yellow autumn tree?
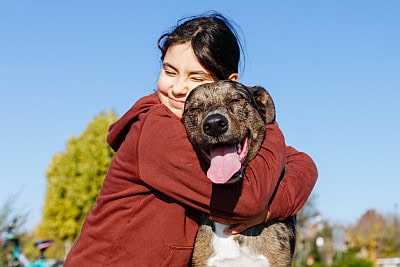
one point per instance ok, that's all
(374, 234)
(74, 178)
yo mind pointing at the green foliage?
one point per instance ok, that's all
(345, 260)
(350, 260)
(319, 264)
(74, 178)
(307, 230)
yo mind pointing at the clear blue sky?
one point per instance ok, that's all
(333, 68)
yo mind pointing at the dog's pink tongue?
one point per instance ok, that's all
(224, 164)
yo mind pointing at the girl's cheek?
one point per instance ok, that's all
(162, 83)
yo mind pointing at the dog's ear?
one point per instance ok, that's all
(264, 101)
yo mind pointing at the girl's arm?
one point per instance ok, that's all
(290, 195)
(295, 187)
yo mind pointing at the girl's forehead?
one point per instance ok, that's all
(177, 51)
(182, 57)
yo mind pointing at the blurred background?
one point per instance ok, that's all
(69, 69)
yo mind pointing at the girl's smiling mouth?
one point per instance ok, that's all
(176, 102)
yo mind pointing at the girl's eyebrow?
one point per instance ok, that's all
(200, 72)
(167, 65)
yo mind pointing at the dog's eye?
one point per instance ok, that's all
(234, 101)
(194, 110)
(235, 104)
(192, 116)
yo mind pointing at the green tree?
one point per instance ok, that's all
(351, 260)
(10, 215)
(308, 211)
(309, 223)
(74, 178)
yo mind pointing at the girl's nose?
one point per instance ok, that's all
(180, 87)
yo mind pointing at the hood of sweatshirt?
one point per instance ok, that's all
(119, 129)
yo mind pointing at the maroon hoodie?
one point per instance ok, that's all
(147, 211)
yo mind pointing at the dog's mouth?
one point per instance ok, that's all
(226, 161)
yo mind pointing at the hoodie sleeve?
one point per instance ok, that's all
(295, 187)
(168, 163)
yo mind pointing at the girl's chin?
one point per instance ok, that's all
(178, 113)
(176, 107)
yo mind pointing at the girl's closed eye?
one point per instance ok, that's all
(199, 79)
(169, 70)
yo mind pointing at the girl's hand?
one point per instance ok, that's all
(239, 225)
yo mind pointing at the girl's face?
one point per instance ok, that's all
(181, 72)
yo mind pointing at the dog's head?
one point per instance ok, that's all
(226, 121)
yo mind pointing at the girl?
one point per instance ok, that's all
(147, 211)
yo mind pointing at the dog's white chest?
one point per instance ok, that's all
(227, 252)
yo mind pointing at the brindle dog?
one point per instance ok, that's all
(226, 123)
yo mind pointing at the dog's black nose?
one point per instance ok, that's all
(215, 125)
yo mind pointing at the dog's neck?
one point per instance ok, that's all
(228, 252)
(219, 229)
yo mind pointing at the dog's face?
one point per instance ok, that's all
(226, 122)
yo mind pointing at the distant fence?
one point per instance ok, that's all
(389, 262)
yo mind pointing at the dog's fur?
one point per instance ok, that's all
(227, 113)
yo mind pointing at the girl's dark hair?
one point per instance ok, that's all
(214, 41)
